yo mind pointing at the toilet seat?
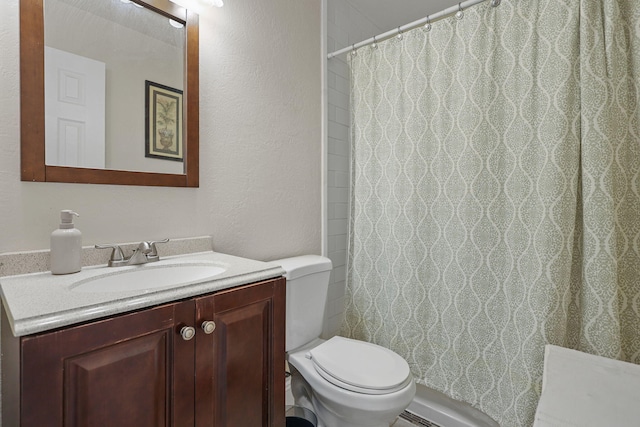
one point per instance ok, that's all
(360, 366)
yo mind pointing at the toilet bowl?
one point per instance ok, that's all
(346, 382)
(368, 397)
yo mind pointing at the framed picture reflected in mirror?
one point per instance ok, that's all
(163, 119)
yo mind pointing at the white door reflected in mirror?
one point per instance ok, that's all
(74, 110)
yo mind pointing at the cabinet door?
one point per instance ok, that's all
(240, 366)
(131, 370)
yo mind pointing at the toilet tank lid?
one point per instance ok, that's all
(300, 266)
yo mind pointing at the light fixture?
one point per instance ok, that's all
(207, 3)
(175, 24)
(130, 2)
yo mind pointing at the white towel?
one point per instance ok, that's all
(584, 390)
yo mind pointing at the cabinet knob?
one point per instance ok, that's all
(187, 332)
(208, 326)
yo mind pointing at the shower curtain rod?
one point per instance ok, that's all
(429, 19)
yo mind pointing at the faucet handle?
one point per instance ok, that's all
(145, 248)
(116, 253)
(154, 250)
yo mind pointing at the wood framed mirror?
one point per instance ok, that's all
(34, 165)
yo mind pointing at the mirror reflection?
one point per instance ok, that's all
(114, 76)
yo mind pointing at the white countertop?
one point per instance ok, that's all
(39, 302)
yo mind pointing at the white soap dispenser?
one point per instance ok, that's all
(66, 246)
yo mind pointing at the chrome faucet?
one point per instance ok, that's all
(145, 252)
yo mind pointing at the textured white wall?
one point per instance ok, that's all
(260, 145)
(260, 139)
(345, 26)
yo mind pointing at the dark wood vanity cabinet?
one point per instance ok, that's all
(136, 369)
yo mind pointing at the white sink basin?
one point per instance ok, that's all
(148, 277)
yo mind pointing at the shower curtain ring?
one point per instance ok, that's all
(427, 26)
(353, 50)
(374, 45)
(459, 13)
(399, 34)
(495, 3)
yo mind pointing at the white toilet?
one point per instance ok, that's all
(347, 383)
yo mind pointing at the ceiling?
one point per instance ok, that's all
(390, 14)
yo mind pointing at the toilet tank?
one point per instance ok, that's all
(307, 284)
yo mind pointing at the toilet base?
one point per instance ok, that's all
(327, 418)
(305, 397)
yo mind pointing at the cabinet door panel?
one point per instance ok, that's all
(240, 367)
(115, 371)
(92, 378)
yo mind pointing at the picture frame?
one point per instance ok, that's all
(163, 122)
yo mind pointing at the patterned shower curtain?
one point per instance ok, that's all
(496, 196)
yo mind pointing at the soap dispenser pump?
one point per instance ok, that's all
(66, 246)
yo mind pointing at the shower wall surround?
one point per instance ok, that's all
(345, 26)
